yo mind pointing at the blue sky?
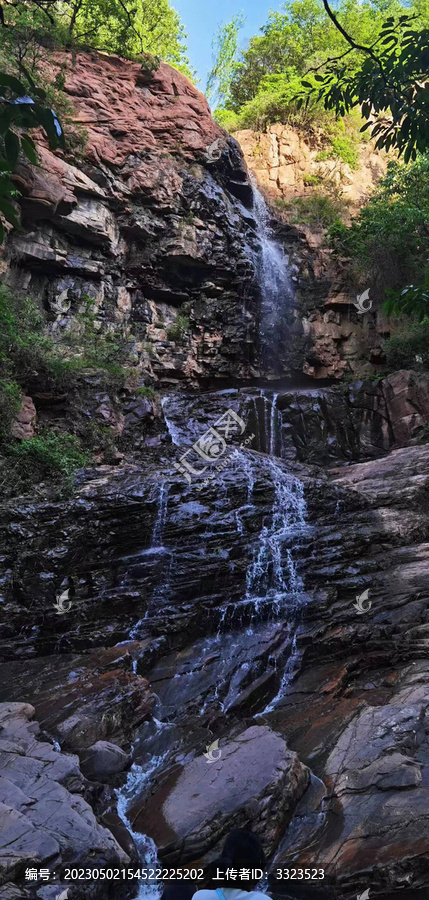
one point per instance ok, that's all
(202, 17)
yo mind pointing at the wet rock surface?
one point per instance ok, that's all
(243, 607)
(195, 805)
(272, 605)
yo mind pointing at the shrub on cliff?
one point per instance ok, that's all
(318, 210)
(31, 362)
(388, 241)
(408, 348)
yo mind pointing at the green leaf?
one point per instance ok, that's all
(11, 82)
(45, 117)
(29, 148)
(9, 212)
(11, 143)
(7, 116)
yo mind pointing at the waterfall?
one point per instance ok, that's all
(272, 576)
(158, 529)
(273, 423)
(272, 270)
(171, 428)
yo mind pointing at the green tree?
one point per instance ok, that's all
(127, 27)
(300, 36)
(225, 48)
(390, 84)
(388, 241)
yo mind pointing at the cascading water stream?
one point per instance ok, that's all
(272, 576)
(274, 589)
(158, 530)
(276, 288)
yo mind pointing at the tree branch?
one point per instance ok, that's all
(368, 50)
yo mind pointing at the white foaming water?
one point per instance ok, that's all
(171, 428)
(273, 274)
(246, 464)
(273, 422)
(158, 529)
(288, 674)
(272, 575)
(146, 849)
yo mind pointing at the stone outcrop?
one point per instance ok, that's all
(284, 161)
(196, 805)
(149, 226)
(46, 823)
(23, 426)
(69, 691)
(160, 237)
(351, 422)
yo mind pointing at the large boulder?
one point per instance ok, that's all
(250, 780)
(102, 760)
(45, 820)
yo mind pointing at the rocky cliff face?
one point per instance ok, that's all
(278, 608)
(147, 226)
(243, 603)
(285, 161)
(159, 233)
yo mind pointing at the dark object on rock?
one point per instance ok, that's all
(103, 759)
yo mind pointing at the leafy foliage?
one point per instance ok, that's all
(48, 456)
(390, 84)
(409, 348)
(318, 210)
(300, 37)
(388, 240)
(127, 27)
(225, 48)
(412, 301)
(31, 360)
(19, 114)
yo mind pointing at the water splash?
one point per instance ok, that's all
(288, 673)
(137, 778)
(273, 423)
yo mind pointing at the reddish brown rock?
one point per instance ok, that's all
(23, 426)
(69, 691)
